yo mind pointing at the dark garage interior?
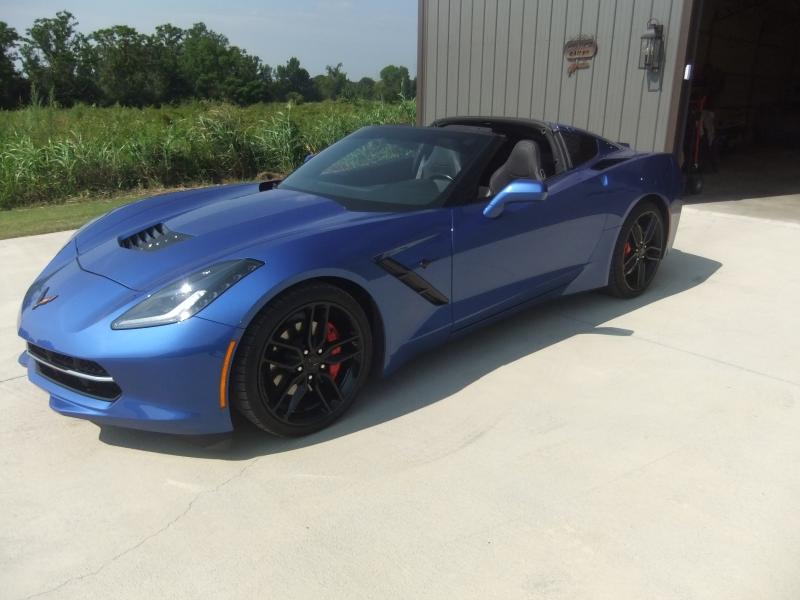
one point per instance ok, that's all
(745, 96)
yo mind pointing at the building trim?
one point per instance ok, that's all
(421, 49)
(679, 102)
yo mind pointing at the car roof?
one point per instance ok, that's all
(480, 121)
(456, 127)
(486, 122)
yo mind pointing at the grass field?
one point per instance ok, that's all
(51, 155)
(72, 214)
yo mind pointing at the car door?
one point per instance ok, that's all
(530, 249)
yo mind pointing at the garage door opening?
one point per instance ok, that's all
(743, 122)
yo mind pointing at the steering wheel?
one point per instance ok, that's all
(441, 176)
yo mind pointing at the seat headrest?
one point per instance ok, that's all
(524, 162)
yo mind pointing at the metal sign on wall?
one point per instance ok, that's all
(579, 51)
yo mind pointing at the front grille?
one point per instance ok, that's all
(79, 365)
(83, 376)
(155, 237)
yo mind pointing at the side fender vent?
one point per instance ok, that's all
(412, 280)
(155, 237)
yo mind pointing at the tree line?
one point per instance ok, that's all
(55, 63)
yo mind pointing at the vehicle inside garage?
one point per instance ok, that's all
(743, 121)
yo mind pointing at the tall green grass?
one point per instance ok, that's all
(50, 154)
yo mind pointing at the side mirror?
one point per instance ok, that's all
(521, 190)
(308, 157)
(268, 184)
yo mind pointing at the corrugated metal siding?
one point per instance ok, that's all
(505, 58)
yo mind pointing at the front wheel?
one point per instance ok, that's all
(638, 252)
(302, 361)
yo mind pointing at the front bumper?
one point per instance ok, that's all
(169, 376)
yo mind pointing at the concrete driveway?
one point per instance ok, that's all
(591, 448)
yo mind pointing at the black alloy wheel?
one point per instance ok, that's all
(638, 253)
(303, 361)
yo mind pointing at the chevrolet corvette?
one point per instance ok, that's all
(279, 299)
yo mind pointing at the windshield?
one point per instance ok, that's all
(390, 167)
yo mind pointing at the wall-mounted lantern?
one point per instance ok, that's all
(652, 49)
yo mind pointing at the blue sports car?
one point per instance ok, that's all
(280, 299)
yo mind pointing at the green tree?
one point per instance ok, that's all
(267, 78)
(203, 61)
(394, 84)
(120, 65)
(57, 60)
(291, 77)
(363, 89)
(332, 84)
(13, 88)
(248, 79)
(216, 70)
(166, 50)
(124, 66)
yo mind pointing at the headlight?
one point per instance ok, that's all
(184, 298)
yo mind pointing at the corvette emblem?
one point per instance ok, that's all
(44, 299)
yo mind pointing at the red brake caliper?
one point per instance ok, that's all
(331, 336)
(628, 249)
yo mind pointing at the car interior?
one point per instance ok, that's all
(415, 173)
(395, 169)
(525, 154)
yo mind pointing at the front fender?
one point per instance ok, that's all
(409, 321)
(239, 305)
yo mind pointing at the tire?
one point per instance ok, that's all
(302, 361)
(694, 184)
(634, 263)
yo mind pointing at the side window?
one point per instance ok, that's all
(581, 146)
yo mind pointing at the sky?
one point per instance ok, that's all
(364, 35)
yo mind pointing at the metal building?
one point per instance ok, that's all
(636, 71)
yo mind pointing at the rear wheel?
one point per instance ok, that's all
(638, 253)
(302, 361)
(694, 183)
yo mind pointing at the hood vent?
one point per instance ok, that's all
(155, 237)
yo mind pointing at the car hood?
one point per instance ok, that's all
(215, 223)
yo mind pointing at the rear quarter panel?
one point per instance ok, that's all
(640, 175)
